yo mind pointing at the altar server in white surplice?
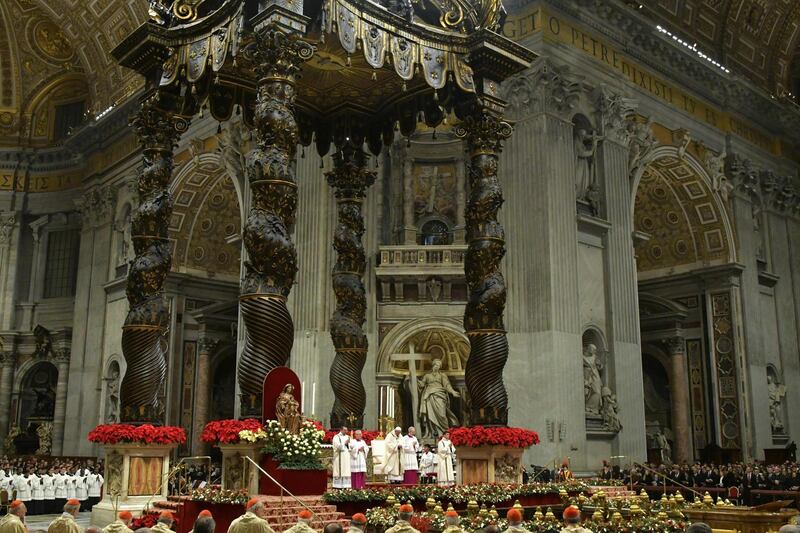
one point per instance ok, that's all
(445, 452)
(393, 460)
(341, 459)
(410, 463)
(358, 460)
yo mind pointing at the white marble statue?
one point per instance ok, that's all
(434, 402)
(112, 397)
(585, 148)
(776, 394)
(592, 382)
(610, 410)
(661, 443)
(642, 143)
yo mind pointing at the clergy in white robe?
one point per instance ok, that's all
(393, 460)
(341, 459)
(445, 452)
(427, 465)
(358, 461)
(410, 463)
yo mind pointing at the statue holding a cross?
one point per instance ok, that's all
(430, 395)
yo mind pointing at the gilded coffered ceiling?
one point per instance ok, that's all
(754, 38)
(47, 43)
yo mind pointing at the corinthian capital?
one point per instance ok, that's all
(543, 88)
(8, 359)
(676, 345)
(613, 111)
(97, 205)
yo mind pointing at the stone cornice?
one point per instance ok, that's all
(638, 37)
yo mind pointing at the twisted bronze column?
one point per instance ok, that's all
(143, 342)
(484, 132)
(272, 259)
(350, 180)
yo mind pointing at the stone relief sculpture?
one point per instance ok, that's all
(610, 411)
(716, 169)
(113, 477)
(661, 443)
(592, 382)
(434, 402)
(112, 396)
(287, 410)
(777, 391)
(8, 443)
(585, 143)
(232, 148)
(506, 469)
(642, 142)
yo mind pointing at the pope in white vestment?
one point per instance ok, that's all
(393, 460)
(410, 463)
(445, 451)
(341, 460)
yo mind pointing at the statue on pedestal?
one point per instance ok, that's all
(434, 402)
(776, 394)
(287, 410)
(610, 410)
(592, 382)
(585, 147)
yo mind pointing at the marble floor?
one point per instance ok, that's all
(40, 522)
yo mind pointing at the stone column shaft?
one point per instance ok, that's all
(143, 343)
(272, 259)
(202, 397)
(484, 132)
(681, 423)
(60, 411)
(6, 383)
(350, 178)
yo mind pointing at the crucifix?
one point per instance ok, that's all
(412, 357)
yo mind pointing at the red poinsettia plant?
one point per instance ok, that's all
(144, 434)
(368, 436)
(476, 436)
(148, 519)
(227, 431)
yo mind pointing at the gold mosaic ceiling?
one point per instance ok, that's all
(755, 38)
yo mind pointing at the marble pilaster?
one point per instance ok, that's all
(9, 248)
(206, 346)
(62, 358)
(88, 331)
(623, 335)
(7, 361)
(542, 313)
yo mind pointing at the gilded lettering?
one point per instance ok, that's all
(575, 35)
(688, 104)
(604, 53)
(711, 117)
(555, 26)
(6, 180)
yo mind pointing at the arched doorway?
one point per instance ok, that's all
(223, 384)
(419, 344)
(37, 403)
(686, 265)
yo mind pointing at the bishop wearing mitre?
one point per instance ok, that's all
(341, 459)
(393, 463)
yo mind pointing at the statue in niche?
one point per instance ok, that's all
(759, 238)
(434, 289)
(44, 342)
(112, 397)
(610, 411)
(287, 410)
(125, 251)
(435, 414)
(585, 143)
(592, 381)
(776, 393)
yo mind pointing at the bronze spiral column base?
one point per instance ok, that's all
(269, 337)
(350, 180)
(144, 347)
(484, 131)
